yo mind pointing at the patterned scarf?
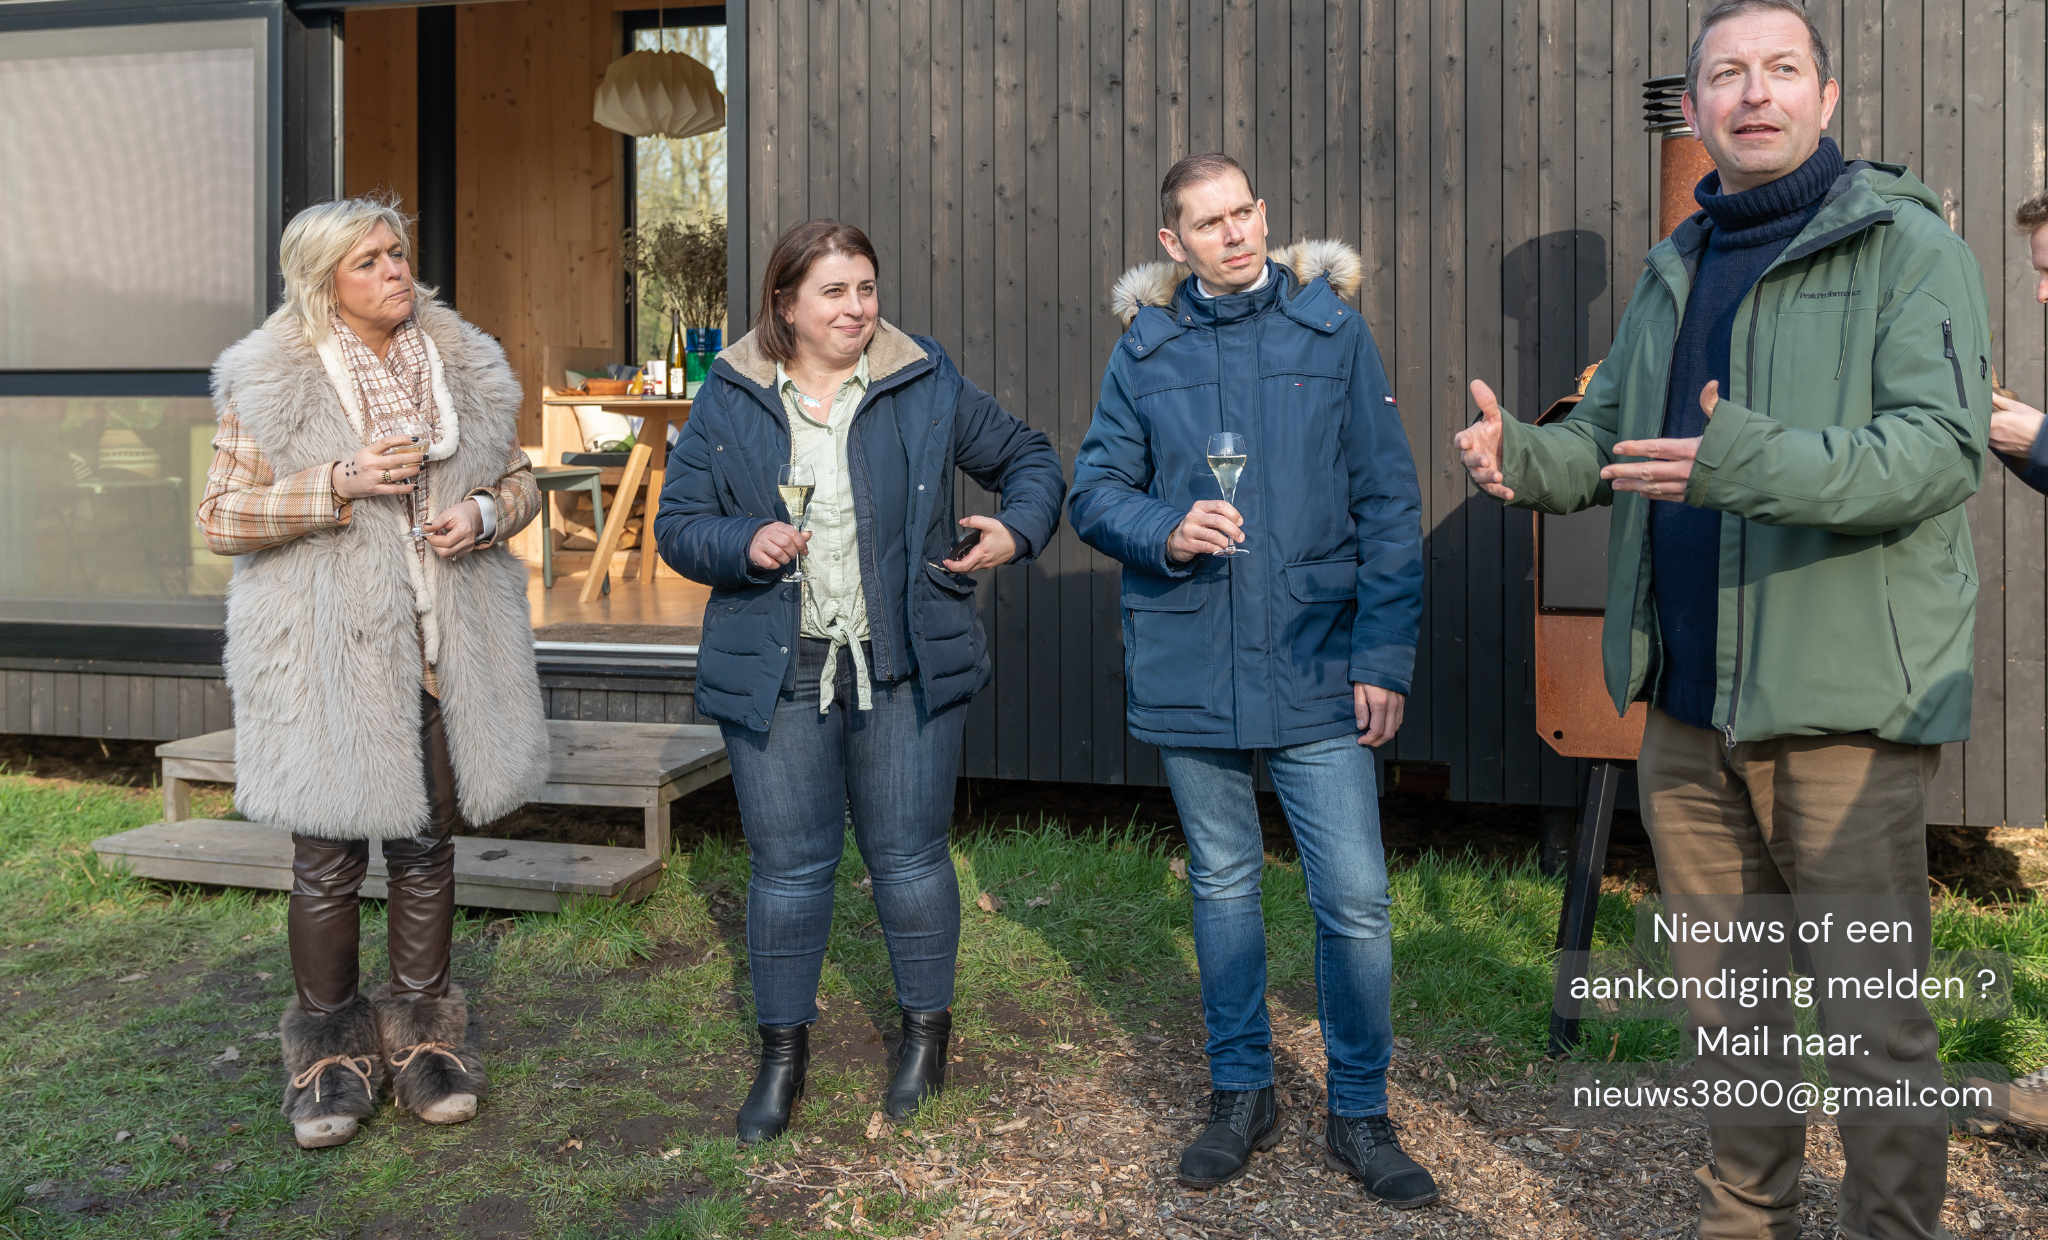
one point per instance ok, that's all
(396, 389)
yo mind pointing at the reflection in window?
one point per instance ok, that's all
(132, 194)
(96, 503)
(677, 179)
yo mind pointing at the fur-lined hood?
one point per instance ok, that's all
(1153, 284)
(890, 349)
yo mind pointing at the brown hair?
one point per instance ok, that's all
(1193, 170)
(795, 253)
(2032, 213)
(1743, 8)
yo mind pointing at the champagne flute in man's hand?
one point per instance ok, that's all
(1226, 461)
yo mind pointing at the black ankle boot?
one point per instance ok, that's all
(1240, 1121)
(1365, 1147)
(921, 1073)
(785, 1053)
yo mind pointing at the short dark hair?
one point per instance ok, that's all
(2031, 214)
(795, 253)
(1193, 170)
(1822, 63)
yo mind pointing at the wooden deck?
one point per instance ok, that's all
(639, 765)
(514, 874)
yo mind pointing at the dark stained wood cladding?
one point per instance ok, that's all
(1487, 156)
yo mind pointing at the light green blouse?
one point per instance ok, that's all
(834, 608)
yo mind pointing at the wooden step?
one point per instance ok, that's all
(514, 874)
(645, 766)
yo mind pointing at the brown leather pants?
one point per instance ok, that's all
(420, 907)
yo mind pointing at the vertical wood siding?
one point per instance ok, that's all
(1487, 157)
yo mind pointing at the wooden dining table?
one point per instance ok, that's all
(657, 415)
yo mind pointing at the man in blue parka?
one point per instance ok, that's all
(1302, 648)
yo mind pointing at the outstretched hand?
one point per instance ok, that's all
(1668, 471)
(1479, 444)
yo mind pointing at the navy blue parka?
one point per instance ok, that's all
(919, 419)
(1256, 651)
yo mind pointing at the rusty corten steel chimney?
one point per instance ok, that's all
(1683, 159)
(1574, 715)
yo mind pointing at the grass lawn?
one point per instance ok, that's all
(139, 1076)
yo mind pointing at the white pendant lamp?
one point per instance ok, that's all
(666, 94)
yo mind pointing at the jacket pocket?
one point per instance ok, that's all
(1948, 347)
(948, 610)
(1317, 636)
(1168, 659)
(729, 657)
(1324, 581)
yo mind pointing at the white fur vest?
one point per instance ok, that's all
(323, 657)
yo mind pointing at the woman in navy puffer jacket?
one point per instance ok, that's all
(847, 688)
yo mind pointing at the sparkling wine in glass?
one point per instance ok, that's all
(422, 436)
(795, 483)
(1226, 461)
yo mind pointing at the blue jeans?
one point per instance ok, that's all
(1327, 790)
(896, 765)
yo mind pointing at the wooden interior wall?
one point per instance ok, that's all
(1489, 159)
(539, 184)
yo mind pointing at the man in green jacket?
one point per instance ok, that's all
(1788, 424)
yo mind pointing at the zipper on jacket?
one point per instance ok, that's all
(1948, 347)
(1898, 647)
(1742, 543)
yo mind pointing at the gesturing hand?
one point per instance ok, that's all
(776, 545)
(1669, 469)
(386, 467)
(1210, 526)
(1479, 444)
(1378, 711)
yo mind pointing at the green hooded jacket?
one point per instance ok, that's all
(1852, 431)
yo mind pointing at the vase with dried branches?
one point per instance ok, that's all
(684, 266)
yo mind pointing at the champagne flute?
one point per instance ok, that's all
(1226, 461)
(795, 483)
(422, 436)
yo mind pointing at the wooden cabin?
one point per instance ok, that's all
(1488, 157)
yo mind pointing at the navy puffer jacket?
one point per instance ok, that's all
(1262, 650)
(919, 419)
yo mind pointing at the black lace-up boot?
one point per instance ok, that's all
(1240, 1121)
(921, 1072)
(785, 1054)
(1365, 1147)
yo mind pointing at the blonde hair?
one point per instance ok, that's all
(313, 247)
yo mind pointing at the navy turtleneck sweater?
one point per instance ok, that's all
(1748, 231)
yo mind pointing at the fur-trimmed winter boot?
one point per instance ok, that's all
(434, 1073)
(333, 1072)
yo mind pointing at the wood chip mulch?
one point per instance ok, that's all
(1095, 1157)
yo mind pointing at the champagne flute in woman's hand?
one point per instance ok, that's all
(795, 483)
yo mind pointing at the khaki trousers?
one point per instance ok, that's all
(1811, 816)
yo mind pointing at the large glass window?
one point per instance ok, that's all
(133, 186)
(677, 179)
(96, 504)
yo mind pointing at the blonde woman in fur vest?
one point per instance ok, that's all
(379, 648)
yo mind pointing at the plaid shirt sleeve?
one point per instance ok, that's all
(517, 496)
(245, 508)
